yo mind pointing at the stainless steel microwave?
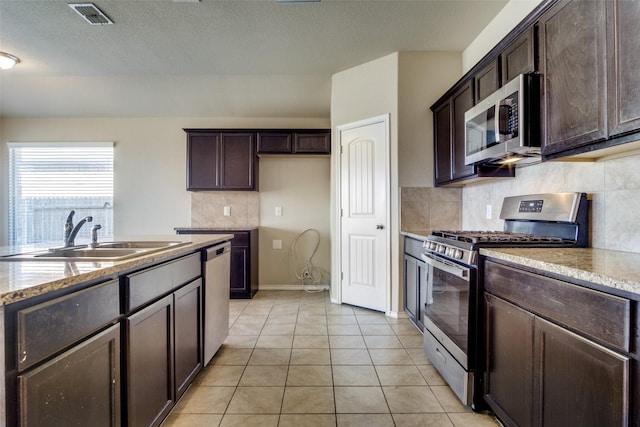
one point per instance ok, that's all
(505, 126)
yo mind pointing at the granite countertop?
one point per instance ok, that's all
(416, 234)
(214, 229)
(607, 269)
(20, 280)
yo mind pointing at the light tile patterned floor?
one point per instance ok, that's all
(294, 359)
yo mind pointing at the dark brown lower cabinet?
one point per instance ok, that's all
(188, 335)
(541, 373)
(79, 387)
(150, 394)
(165, 354)
(509, 379)
(581, 382)
(243, 281)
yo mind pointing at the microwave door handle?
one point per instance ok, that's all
(496, 120)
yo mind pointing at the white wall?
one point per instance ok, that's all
(505, 21)
(423, 78)
(362, 92)
(300, 186)
(403, 85)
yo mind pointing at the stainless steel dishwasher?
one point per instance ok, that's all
(217, 266)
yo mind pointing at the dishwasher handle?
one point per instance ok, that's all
(216, 251)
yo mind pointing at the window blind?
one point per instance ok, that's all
(48, 180)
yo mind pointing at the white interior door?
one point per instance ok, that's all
(364, 191)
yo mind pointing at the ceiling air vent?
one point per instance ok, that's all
(91, 13)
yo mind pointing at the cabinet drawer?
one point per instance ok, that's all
(602, 316)
(146, 285)
(447, 366)
(51, 326)
(413, 247)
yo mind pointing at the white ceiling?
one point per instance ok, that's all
(214, 57)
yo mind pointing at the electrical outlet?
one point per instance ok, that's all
(278, 210)
(277, 244)
(227, 211)
(488, 211)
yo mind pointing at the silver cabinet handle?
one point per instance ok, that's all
(379, 227)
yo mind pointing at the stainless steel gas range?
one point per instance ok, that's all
(454, 311)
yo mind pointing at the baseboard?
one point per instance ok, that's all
(293, 287)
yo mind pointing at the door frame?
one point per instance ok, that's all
(336, 202)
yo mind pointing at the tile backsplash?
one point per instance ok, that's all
(426, 208)
(612, 186)
(207, 209)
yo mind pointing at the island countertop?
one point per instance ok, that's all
(20, 280)
(607, 269)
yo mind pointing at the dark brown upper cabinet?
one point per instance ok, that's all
(591, 84)
(449, 136)
(623, 38)
(221, 160)
(519, 57)
(294, 142)
(487, 80)
(573, 42)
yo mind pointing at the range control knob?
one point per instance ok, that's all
(457, 254)
(441, 249)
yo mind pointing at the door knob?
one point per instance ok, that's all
(379, 227)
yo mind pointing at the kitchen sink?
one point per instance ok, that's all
(106, 251)
(139, 245)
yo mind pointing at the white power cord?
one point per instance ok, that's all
(312, 277)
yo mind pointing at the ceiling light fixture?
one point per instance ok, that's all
(7, 60)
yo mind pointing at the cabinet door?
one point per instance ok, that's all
(461, 101)
(509, 362)
(411, 287)
(239, 270)
(580, 383)
(150, 364)
(203, 157)
(188, 335)
(275, 143)
(312, 143)
(572, 40)
(487, 81)
(238, 161)
(519, 56)
(80, 386)
(423, 293)
(442, 142)
(623, 37)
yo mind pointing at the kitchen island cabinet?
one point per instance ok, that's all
(164, 339)
(557, 351)
(115, 342)
(81, 384)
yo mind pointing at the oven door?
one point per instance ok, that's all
(447, 307)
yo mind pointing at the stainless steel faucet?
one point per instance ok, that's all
(94, 235)
(70, 231)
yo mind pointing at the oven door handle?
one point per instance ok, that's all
(449, 267)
